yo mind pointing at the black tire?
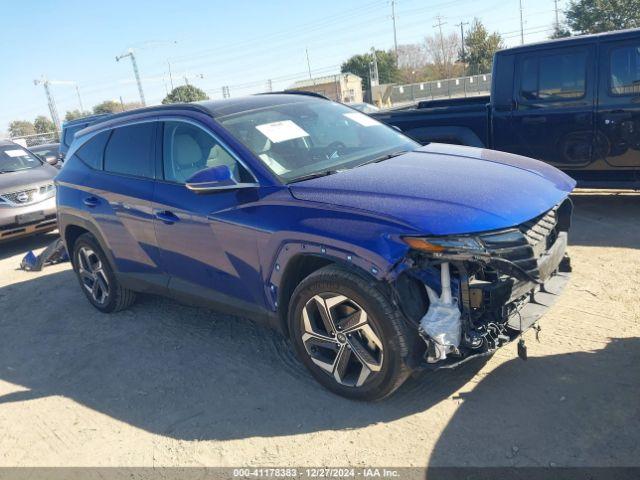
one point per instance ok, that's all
(116, 296)
(387, 322)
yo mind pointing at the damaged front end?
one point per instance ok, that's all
(468, 295)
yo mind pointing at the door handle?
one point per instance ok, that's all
(167, 217)
(91, 202)
(534, 120)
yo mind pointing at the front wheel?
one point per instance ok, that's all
(349, 335)
(96, 277)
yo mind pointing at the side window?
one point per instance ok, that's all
(625, 70)
(130, 150)
(554, 77)
(187, 149)
(92, 152)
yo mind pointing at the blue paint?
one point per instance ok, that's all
(240, 242)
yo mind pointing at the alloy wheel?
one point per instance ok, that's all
(339, 339)
(92, 275)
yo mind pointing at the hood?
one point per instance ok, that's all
(24, 179)
(445, 189)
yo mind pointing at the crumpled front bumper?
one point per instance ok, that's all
(529, 300)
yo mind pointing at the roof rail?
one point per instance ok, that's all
(297, 92)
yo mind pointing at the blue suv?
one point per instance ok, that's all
(376, 256)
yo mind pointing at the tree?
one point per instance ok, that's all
(21, 128)
(185, 93)
(594, 16)
(112, 106)
(359, 65)
(480, 47)
(442, 51)
(75, 114)
(108, 106)
(560, 31)
(43, 124)
(412, 62)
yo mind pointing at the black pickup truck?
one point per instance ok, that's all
(574, 103)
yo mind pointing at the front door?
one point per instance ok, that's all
(554, 105)
(206, 245)
(618, 113)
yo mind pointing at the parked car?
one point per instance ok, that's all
(27, 193)
(70, 128)
(49, 152)
(572, 103)
(374, 255)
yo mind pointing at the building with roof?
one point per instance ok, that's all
(341, 87)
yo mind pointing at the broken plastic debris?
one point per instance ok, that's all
(442, 321)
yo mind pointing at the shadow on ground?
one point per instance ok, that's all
(576, 409)
(9, 248)
(179, 371)
(601, 220)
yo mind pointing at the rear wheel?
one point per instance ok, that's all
(348, 334)
(96, 277)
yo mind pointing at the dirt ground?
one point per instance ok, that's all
(166, 384)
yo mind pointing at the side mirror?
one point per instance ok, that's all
(215, 179)
(51, 160)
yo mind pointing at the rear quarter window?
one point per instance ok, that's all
(92, 152)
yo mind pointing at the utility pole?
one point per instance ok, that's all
(557, 16)
(521, 26)
(52, 104)
(464, 55)
(309, 65)
(374, 77)
(131, 55)
(170, 75)
(444, 60)
(79, 98)
(269, 85)
(395, 33)
(225, 92)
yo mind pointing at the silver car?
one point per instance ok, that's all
(27, 193)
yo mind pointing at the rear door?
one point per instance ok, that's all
(119, 191)
(618, 113)
(554, 106)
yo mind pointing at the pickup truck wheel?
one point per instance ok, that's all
(349, 335)
(96, 277)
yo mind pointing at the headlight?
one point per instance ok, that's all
(446, 245)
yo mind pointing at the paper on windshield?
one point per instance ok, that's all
(281, 131)
(16, 153)
(362, 119)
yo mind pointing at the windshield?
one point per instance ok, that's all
(14, 158)
(299, 139)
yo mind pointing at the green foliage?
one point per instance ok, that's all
(43, 124)
(112, 106)
(560, 31)
(480, 46)
(108, 106)
(185, 94)
(21, 128)
(359, 65)
(594, 16)
(75, 114)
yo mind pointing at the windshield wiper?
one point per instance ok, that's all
(384, 157)
(309, 176)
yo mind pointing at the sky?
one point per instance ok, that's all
(213, 43)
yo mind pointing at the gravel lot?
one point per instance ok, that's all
(166, 384)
